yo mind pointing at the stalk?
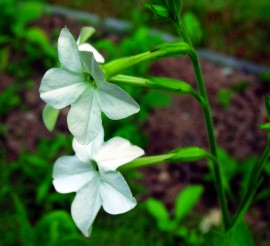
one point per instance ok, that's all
(209, 123)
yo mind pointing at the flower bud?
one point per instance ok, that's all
(174, 8)
(158, 10)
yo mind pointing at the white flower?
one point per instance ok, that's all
(92, 174)
(81, 83)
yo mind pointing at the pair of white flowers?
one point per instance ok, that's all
(92, 172)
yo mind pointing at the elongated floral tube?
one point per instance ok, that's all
(164, 50)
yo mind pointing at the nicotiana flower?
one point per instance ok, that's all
(81, 83)
(92, 174)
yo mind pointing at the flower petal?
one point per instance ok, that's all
(115, 102)
(115, 194)
(60, 87)
(89, 48)
(84, 117)
(90, 65)
(70, 174)
(86, 152)
(86, 205)
(68, 51)
(116, 152)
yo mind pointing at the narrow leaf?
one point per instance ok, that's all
(58, 226)
(239, 235)
(246, 203)
(26, 231)
(157, 209)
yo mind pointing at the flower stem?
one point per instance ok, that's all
(209, 124)
(257, 169)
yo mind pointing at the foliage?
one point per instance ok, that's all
(193, 26)
(185, 201)
(237, 236)
(18, 36)
(9, 100)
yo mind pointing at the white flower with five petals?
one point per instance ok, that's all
(92, 174)
(81, 83)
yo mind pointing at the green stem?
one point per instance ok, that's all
(258, 168)
(209, 124)
(253, 184)
(182, 31)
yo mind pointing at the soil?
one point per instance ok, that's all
(178, 125)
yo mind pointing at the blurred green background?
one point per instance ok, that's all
(31, 212)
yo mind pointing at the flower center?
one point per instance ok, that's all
(89, 79)
(95, 165)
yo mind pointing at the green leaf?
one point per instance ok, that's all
(167, 225)
(49, 116)
(44, 188)
(239, 235)
(182, 231)
(26, 231)
(193, 27)
(246, 202)
(29, 11)
(54, 227)
(26, 13)
(186, 200)
(265, 126)
(39, 37)
(229, 167)
(157, 209)
(86, 33)
(246, 171)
